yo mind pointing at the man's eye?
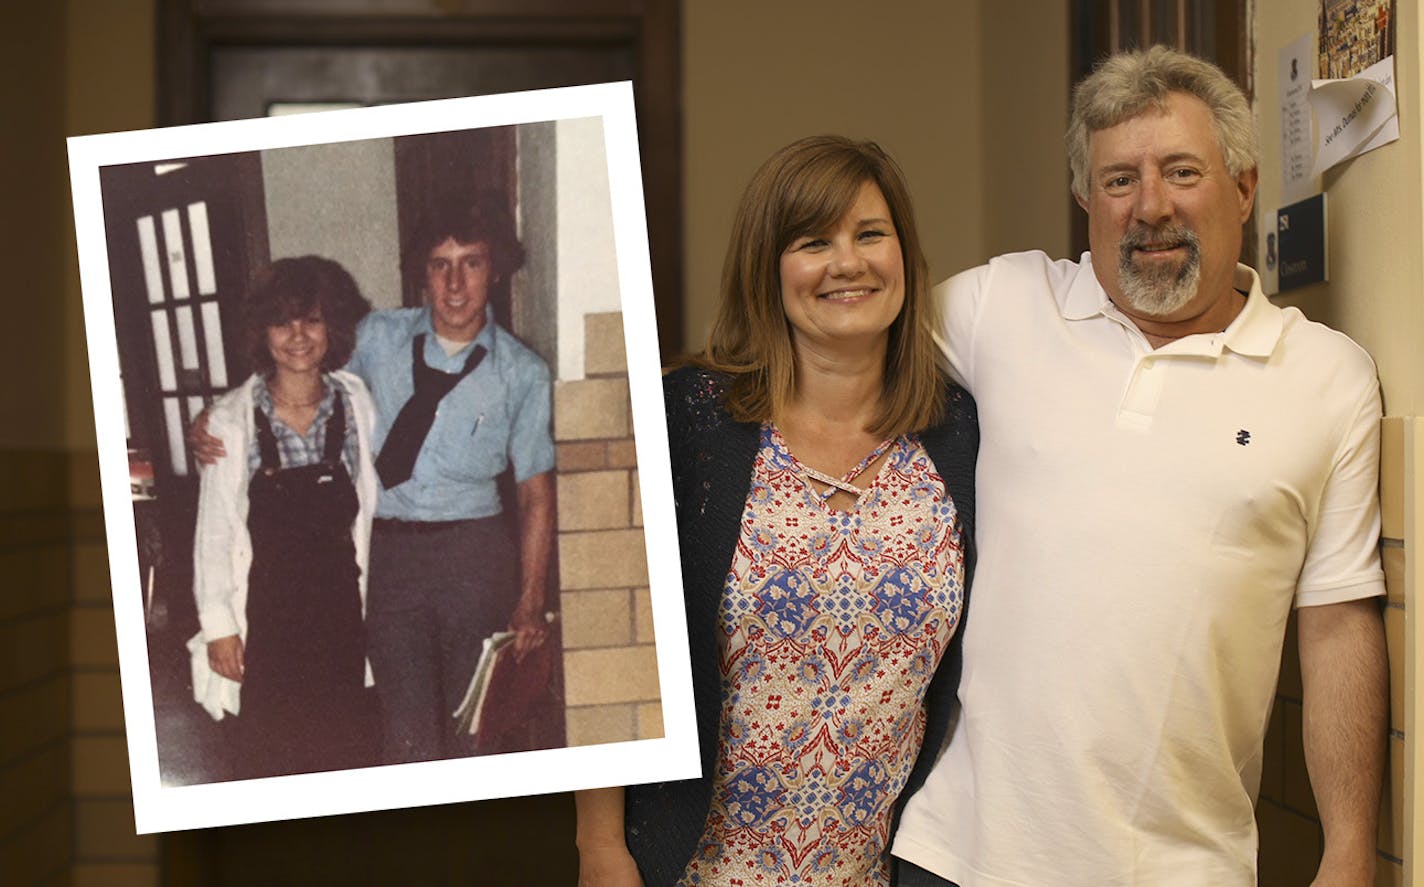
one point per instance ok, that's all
(1184, 174)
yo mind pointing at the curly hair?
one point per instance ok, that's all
(807, 186)
(300, 287)
(485, 219)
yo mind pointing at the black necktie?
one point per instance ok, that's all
(407, 435)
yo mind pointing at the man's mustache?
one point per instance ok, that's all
(1140, 236)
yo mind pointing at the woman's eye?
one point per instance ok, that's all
(873, 234)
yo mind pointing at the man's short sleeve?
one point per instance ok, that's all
(531, 442)
(959, 299)
(1343, 561)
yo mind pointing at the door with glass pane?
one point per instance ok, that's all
(183, 237)
(180, 244)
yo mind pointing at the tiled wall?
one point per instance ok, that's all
(610, 670)
(107, 853)
(1291, 839)
(36, 830)
(65, 813)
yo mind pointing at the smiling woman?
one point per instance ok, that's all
(283, 532)
(823, 479)
(843, 288)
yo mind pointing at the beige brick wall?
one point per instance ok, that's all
(610, 667)
(1291, 837)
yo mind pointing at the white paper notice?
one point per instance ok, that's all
(1354, 115)
(1293, 69)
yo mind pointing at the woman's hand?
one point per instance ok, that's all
(608, 866)
(604, 860)
(225, 657)
(206, 448)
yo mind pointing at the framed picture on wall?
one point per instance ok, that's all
(382, 452)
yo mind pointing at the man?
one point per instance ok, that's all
(1168, 464)
(458, 399)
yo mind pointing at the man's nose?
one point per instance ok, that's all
(455, 278)
(1154, 202)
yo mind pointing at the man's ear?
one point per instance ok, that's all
(1246, 190)
(1082, 201)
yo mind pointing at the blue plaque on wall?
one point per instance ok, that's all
(1300, 235)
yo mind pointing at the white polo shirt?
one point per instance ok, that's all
(1146, 520)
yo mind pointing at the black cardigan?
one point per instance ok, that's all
(712, 458)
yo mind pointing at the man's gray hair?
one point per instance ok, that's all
(1125, 85)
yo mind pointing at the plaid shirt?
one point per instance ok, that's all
(295, 449)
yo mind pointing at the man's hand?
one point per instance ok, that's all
(225, 657)
(206, 448)
(529, 626)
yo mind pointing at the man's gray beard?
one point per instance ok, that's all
(1162, 290)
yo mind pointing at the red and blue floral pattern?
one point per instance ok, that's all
(832, 625)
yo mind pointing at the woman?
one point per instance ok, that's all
(283, 533)
(823, 476)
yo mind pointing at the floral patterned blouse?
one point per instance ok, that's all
(832, 624)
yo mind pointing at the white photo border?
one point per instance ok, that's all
(674, 756)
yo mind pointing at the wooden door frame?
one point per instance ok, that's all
(190, 30)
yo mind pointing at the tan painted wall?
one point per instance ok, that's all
(970, 104)
(1024, 84)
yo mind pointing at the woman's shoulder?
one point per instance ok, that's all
(960, 411)
(235, 405)
(693, 380)
(695, 397)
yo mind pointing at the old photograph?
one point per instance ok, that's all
(385, 484)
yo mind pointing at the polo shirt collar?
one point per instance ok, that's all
(1254, 332)
(1085, 298)
(1257, 329)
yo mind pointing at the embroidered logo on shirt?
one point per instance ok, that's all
(1243, 437)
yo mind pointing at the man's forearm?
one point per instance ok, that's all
(1345, 677)
(536, 536)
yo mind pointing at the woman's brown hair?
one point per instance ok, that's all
(301, 287)
(803, 188)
